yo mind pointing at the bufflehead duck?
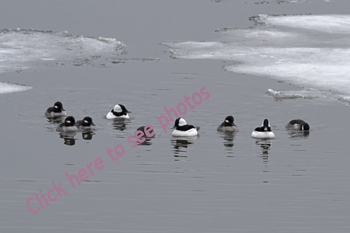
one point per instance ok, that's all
(228, 125)
(119, 111)
(264, 131)
(56, 111)
(298, 124)
(182, 129)
(68, 125)
(150, 132)
(85, 123)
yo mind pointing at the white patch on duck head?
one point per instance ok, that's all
(117, 108)
(182, 122)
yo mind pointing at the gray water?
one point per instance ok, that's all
(212, 183)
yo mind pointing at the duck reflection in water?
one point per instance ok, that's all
(228, 142)
(68, 138)
(181, 144)
(228, 137)
(265, 145)
(299, 134)
(120, 124)
(87, 135)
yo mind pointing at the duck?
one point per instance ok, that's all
(150, 132)
(228, 125)
(119, 111)
(56, 111)
(182, 129)
(68, 125)
(264, 131)
(298, 125)
(85, 123)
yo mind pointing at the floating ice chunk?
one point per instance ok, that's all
(324, 23)
(22, 48)
(11, 87)
(308, 93)
(307, 50)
